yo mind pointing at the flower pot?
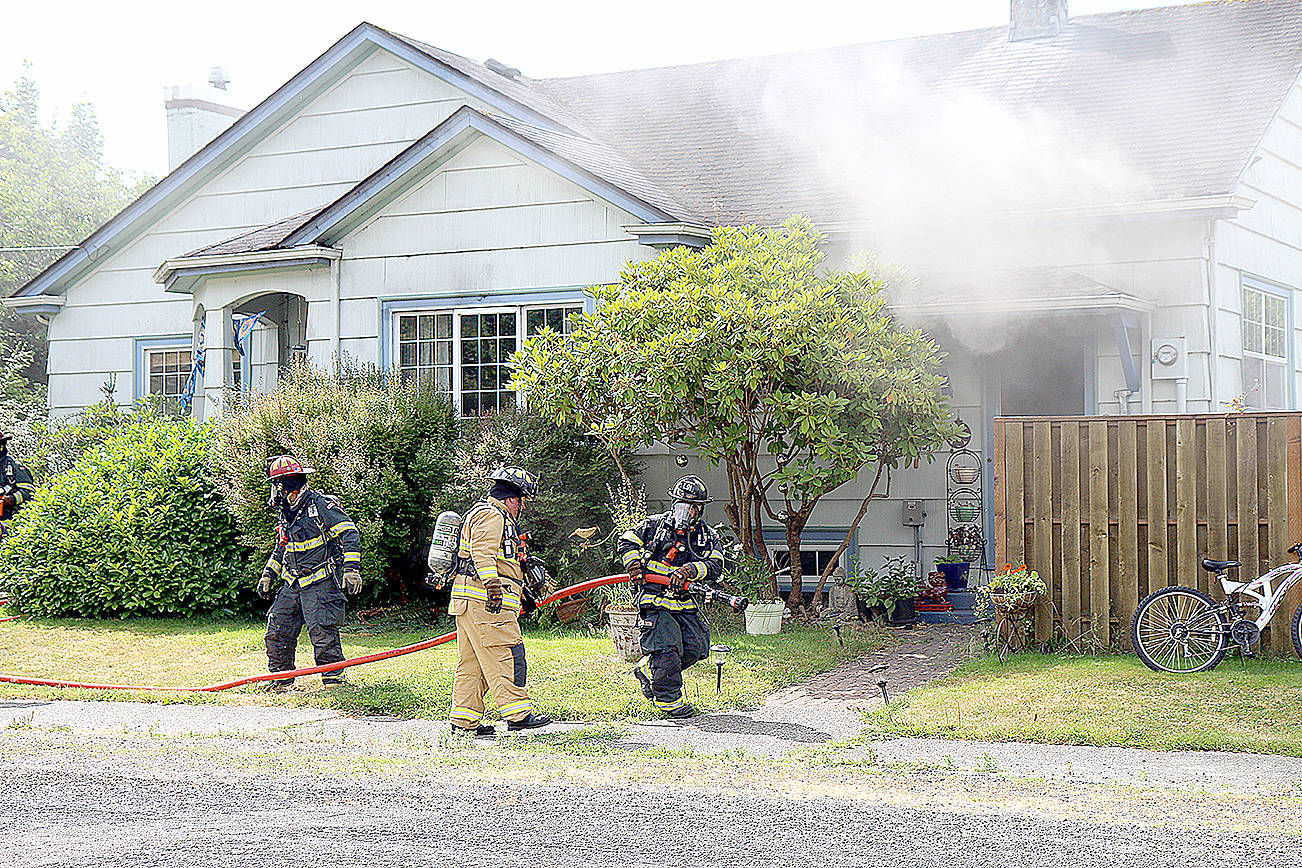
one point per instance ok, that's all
(764, 618)
(964, 512)
(903, 615)
(955, 574)
(622, 627)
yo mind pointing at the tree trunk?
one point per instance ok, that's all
(795, 524)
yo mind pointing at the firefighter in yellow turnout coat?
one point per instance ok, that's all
(486, 603)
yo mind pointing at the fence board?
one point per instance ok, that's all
(1186, 495)
(1126, 580)
(1245, 447)
(1042, 513)
(1155, 473)
(1068, 578)
(1100, 611)
(1015, 496)
(1278, 642)
(1218, 543)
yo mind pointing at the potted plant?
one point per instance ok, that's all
(752, 578)
(890, 591)
(1012, 592)
(954, 568)
(967, 542)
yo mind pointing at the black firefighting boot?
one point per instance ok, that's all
(533, 721)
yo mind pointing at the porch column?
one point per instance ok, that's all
(219, 340)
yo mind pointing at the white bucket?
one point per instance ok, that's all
(764, 617)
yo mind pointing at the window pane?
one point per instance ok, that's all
(172, 384)
(556, 319)
(488, 351)
(1274, 311)
(470, 404)
(506, 324)
(470, 325)
(506, 346)
(1275, 388)
(443, 379)
(155, 363)
(443, 325)
(1275, 342)
(155, 385)
(1252, 303)
(406, 328)
(425, 357)
(407, 355)
(469, 377)
(470, 352)
(443, 353)
(488, 377)
(488, 324)
(533, 321)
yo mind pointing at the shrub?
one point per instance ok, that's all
(575, 474)
(134, 527)
(381, 445)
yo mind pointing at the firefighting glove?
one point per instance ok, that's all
(352, 582)
(494, 604)
(679, 578)
(265, 584)
(637, 572)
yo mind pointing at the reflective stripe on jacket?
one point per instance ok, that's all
(655, 543)
(489, 554)
(303, 544)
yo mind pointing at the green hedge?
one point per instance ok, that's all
(135, 527)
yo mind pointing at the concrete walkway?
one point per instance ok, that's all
(823, 710)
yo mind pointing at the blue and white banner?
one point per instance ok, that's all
(196, 375)
(244, 328)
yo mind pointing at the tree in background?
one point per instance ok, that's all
(755, 355)
(55, 188)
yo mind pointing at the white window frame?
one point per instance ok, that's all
(779, 550)
(1256, 398)
(521, 312)
(183, 375)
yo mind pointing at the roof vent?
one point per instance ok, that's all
(502, 69)
(1036, 19)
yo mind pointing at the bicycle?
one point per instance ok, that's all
(1179, 629)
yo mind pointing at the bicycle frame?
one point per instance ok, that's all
(1260, 591)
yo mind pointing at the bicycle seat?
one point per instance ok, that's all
(1212, 566)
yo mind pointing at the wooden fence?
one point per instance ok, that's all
(1107, 509)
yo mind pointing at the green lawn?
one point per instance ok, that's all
(572, 674)
(1108, 700)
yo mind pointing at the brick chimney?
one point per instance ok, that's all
(1036, 19)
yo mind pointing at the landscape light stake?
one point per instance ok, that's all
(718, 656)
(882, 684)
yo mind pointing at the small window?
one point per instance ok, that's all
(1265, 349)
(812, 562)
(169, 371)
(555, 318)
(425, 349)
(487, 343)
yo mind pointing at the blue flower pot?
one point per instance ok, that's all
(955, 575)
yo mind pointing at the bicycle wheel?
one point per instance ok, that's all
(1297, 630)
(1179, 630)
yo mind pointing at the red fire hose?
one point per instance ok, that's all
(310, 670)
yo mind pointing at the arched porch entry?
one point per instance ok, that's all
(249, 359)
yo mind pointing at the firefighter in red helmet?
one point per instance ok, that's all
(318, 556)
(16, 483)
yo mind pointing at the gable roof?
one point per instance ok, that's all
(1175, 99)
(1158, 104)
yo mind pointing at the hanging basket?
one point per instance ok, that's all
(1014, 604)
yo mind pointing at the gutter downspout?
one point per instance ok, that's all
(1209, 298)
(335, 279)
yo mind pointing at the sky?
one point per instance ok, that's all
(120, 56)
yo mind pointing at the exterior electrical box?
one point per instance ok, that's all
(915, 514)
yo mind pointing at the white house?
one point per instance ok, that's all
(1073, 193)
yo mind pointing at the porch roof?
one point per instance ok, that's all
(1042, 289)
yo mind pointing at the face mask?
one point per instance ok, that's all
(684, 515)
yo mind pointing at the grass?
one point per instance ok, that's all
(572, 673)
(1108, 700)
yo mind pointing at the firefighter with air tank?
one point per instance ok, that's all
(488, 591)
(677, 546)
(317, 557)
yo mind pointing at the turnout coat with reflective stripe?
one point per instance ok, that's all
(490, 557)
(302, 553)
(661, 548)
(17, 480)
